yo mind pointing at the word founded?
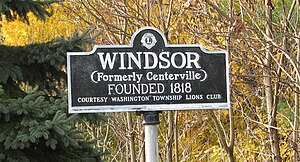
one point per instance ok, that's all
(147, 75)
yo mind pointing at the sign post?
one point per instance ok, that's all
(151, 120)
(148, 75)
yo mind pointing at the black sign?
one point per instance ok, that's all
(147, 75)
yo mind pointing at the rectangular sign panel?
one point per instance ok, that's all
(147, 75)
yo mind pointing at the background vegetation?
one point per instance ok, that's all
(262, 37)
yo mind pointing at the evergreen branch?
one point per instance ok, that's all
(12, 9)
(9, 70)
(27, 136)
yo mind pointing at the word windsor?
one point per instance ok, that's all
(149, 60)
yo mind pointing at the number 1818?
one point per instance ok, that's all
(181, 87)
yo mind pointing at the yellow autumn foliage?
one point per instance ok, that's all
(18, 33)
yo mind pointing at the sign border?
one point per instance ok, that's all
(146, 107)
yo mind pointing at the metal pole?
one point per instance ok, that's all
(151, 120)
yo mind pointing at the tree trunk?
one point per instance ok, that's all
(176, 138)
(231, 119)
(141, 137)
(170, 136)
(296, 116)
(131, 137)
(228, 147)
(271, 106)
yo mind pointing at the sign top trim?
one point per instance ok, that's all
(131, 44)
